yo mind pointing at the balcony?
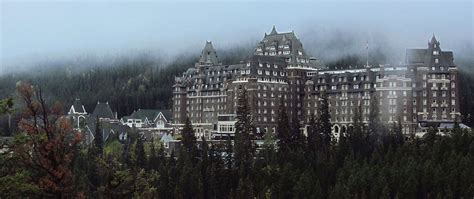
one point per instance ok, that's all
(434, 88)
(434, 105)
(444, 88)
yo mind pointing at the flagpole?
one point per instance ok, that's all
(367, 48)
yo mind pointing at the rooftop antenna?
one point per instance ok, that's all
(367, 48)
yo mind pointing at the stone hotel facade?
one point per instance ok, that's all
(423, 89)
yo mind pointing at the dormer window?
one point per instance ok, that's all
(435, 52)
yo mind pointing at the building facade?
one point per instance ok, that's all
(423, 89)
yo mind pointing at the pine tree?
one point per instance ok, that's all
(267, 153)
(324, 124)
(283, 133)
(229, 151)
(397, 133)
(243, 149)
(153, 162)
(204, 168)
(313, 138)
(356, 133)
(296, 137)
(374, 126)
(188, 142)
(140, 156)
(98, 139)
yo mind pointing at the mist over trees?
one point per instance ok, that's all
(144, 80)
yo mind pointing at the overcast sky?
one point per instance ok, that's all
(32, 30)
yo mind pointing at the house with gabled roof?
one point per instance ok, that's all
(148, 118)
(78, 114)
(86, 123)
(104, 112)
(109, 130)
(150, 123)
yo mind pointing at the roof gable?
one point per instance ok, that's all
(103, 110)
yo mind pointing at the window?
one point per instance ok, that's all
(436, 60)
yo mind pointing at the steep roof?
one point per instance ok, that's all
(103, 110)
(208, 55)
(426, 57)
(78, 106)
(151, 114)
(273, 32)
(107, 128)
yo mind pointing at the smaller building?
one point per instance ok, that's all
(78, 114)
(86, 123)
(148, 118)
(443, 127)
(225, 127)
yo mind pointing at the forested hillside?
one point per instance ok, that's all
(146, 81)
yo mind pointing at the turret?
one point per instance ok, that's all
(208, 56)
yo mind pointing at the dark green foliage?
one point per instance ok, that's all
(188, 142)
(283, 132)
(139, 152)
(323, 122)
(370, 162)
(6, 105)
(98, 139)
(243, 148)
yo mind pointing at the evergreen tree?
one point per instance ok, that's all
(324, 124)
(267, 153)
(98, 138)
(188, 142)
(374, 126)
(204, 168)
(397, 133)
(297, 139)
(140, 156)
(314, 138)
(283, 132)
(154, 161)
(243, 149)
(356, 133)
